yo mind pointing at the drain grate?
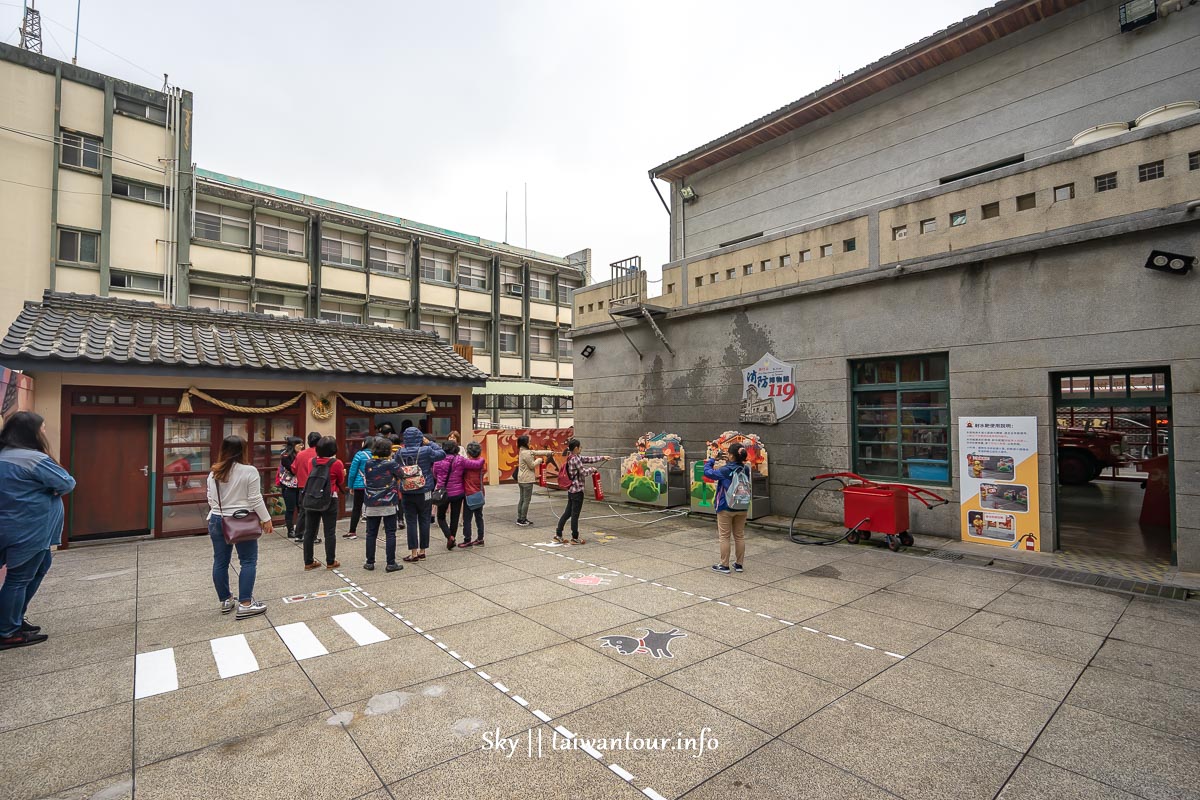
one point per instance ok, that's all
(1117, 584)
(942, 555)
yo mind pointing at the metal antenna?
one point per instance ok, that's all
(526, 216)
(78, 5)
(506, 217)
(31, 29)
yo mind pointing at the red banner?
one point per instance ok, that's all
(552, 439)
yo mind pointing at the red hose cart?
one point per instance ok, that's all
(870, 507)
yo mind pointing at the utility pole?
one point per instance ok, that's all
(31, 29)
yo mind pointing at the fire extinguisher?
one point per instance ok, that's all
(596, 486)
(541, 473)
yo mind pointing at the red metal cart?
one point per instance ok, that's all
(869, 507)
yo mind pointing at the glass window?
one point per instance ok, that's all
(341, 247)
(473, 332)
(849, 245)
(1026, 201)
(510, 339)
(341, 312)
(958, 218)
(765, 264)
(1194, 161)
(731, 273)
(218, 298)
(785, 261)
(901, 418)
(539, 286)
(221, 223)
(564, 346)
(437, 266)
(388, 256)
(79, 150)
(826, 250)
(989, 210)
(436, 324)
(565, 288)
(472, 272)
(510, 275)
(80, 247)
(140, 108)
(135, 281)
(899, 232)
(747, 269)
(1106, 182)
(138, 191)
(279, 234)
(1150, 172)
(928, 225)
(1064, 192)
(541, 342)
(392, 316)
(278, 304)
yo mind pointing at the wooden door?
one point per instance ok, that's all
(110, 459)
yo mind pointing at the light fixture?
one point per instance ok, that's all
(587, 351)
(687, 194)
(1171, 263)
(1136, 13)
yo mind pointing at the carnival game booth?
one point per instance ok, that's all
(655, 474)
(703, 492)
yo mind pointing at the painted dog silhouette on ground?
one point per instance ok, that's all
(656, 644)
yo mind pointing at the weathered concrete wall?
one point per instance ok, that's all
(1028, 93)
(1006, 325)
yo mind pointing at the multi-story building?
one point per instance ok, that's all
(100, 196)
(997, 221)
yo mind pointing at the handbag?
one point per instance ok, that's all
(438, 498)
(241, 526)
(474, 500)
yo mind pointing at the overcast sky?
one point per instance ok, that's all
(432, 111)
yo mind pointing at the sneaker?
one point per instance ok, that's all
(227, 605)
(467, 543)
(22, 639)
(721, 568)
(255, 608)
(334, 565)
(312, 565)
(317, 540)
(738, 568)
(350, 535)
(394, 567)
(479, 542)
(29, 627)
(369, 565)
(449, 542)
(558, 538)
(524, 523)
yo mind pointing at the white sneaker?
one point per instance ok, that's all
(255, 608)
(227, 605)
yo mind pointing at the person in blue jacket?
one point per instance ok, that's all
(31, 521)
(420, 452)
(356, 482)
(729, 523)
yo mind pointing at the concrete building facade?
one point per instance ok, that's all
(940, 237)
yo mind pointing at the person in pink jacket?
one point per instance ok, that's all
(471, 469)
(448, 475)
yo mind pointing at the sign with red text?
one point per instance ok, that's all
(768, 391)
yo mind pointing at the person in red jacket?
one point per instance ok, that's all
(472, 483)
(301, 467)
(325, 483)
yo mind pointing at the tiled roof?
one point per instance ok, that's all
(70, 328)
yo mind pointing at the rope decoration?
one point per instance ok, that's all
(322, 407)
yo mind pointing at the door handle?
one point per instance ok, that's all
(146, 471)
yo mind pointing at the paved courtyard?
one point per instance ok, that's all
(622, 669)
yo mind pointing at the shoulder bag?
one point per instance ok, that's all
(241, 526)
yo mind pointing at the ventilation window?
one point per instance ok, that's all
(1106, 182)
(670, 288)
(713, 277)
(699, 281)
(1150, 172)
(928, 225)
(1026, 202)
(849, 245)
(899, 232)
(805, 255)
(747, 269)
(764, 265)
(958, 218)
(1066, 192)
(826, 250)
(785, 261)
(730, 273)
(1194, 161)
(989, 210)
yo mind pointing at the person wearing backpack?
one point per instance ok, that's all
(576, 472)
(357, 486)
(448, 493)
(527, 464)
(381, 477)
(416, 459)
(285, 479)
(302, 466)
(734, 492)
(325, 484)
(472, 482)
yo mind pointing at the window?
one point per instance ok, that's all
(510, 339)
(989, 210)
(785, 261)
(565, 288)
(80, 247)
(437, 266)
(747, 269)
(279, 234)
(1065, 192)
(599, 305)
(958, 218)
(670, 288)
(541, 342)
(278, 304)
(341, 247)
(436, 324)
(79, 150)
(928, 225)
(392, 316)
(539, 286)
(140, 108)
(134, 282)
(901, 418)
(1150, 172)
(138, 191)
(590, 306)
(1194, 160)
(699, 281)
(510, 275)
(849, 245)
(826, 250)
(564, 345)
(712, 278)
(899, 232)
(341, 312)
(472, 272)
(387, 256)
(1106, 182)
(764, 265)
(224, 224)
(805, 255)
(219, 298)
(1026, 201)
(473, 332)
(730, 273)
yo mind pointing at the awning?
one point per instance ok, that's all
(521, 389)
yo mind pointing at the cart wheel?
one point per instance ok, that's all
(893, 543)
(865, 534)
(906, 539)
(852, 537)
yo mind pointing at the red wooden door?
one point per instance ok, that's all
(111, 460)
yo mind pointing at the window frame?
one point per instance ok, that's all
(342, 313)
(131, 186)
(1152, 171)
(1105, 183)
(899, 233)
(440, 261)
(539, 334)
(1070, 191)
(80, 233)
(537, 279)
(389, 247)
(850, 245)
(827, 250)
(785, 261)
(990, 210)
(1029, 198)
(82, 149)
(220, 297)
(259, 303)
(805, 256)
(475, 272)
(430, 323)
(515, 333)
(345, 241)
(928, 226)
(146, 110)
(134, 276)
(473, 324)
(222, 220)
(275, 222)
(958, 218)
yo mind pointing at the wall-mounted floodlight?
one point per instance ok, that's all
(1171, 263)
(587, 351)
(687, 194)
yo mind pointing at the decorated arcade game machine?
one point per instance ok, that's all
(703, 492)
(655, 475)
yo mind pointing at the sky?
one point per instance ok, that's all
(433, 111)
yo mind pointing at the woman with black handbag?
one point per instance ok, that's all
(237, 517)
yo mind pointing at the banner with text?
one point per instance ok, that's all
(999, 485)
(768, 391)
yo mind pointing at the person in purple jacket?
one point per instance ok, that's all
(450, 479)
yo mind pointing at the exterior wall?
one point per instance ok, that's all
(134, 246)
(1027, 93)
(82, 108)
(223, 261)
(1006, 324)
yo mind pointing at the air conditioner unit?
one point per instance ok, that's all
(547, 412)
(276, 312)
(516, 289)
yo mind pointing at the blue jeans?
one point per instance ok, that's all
(389, 542)
(20, 585)
(222, 552)
(416, 515)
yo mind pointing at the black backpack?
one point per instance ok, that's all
(318, 493)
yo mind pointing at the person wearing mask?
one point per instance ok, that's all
(730, 523)
(576, 473)
(325, 483)
(302, 467)
(472, 482)
(31, 520)
(449, 480)
(416, 459)
(235, 486)
(356, 484)
(380, 477)
(527, 463)
(285, 479)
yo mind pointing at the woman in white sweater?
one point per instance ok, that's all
(235, 486)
